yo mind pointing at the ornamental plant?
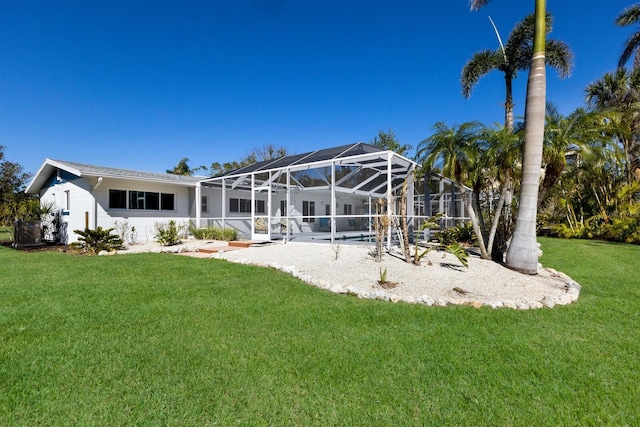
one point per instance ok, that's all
(98, 240)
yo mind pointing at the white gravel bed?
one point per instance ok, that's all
(439, 280)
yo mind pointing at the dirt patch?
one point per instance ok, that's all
(42, 248)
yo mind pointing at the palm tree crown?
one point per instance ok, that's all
(630, 16)
(513, 57)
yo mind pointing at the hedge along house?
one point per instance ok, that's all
(328, 194)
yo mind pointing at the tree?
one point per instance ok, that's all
(389, 141)
(522, 254)
(456, 148)
(182, 168)
(258, 154)
(564, 136)
(630, 16)
(512, 57)
(12, 182)
(617, 96)
(502, 156)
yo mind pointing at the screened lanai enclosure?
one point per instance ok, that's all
(330, 195)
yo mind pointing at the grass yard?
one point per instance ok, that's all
(6, 233)
(161, 339)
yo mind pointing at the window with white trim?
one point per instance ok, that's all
(142, 200)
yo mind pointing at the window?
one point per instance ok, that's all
(142, 200)
(308, 211)
(117, 199)
(204, 203)
(67, 200)
(327, 209)
(234, 205)
(167, 201)
(244, 205)
(283, 208)
(152, 201)
(348, 209)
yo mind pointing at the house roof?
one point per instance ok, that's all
(367, 154)
(50, 166)
(364, 170)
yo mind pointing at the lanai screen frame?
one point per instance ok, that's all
(392, 167)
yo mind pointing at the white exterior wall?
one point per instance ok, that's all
(82, 205)
(71, 209)
(144, 221)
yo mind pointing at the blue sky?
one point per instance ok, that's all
(142, 84)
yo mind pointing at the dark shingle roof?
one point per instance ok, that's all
(310, 157)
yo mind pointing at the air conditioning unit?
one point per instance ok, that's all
(27, 233)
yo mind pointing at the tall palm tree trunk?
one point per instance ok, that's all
(522, 254)
(508, 102)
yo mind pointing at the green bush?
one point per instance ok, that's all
(95, 241)
(215, 233)
(462, 233)
(624, 229)
(168, 234)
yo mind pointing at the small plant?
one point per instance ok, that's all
(98, 240)
(452, 246)
(383, 275)
(133, 237)
(123, 230)
(459, 252)
(381, 224)
(383, 280)
(336, 249)
(168, 234)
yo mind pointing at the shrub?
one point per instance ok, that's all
(95, 241)
(462, 233)
(169, 234)
(127, 233)
(215, 233)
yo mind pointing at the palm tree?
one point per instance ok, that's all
(566, 135)
(512, 57)
(522, 254)
(504, 154)
(456, 148)
(630, 16)
(617, 95)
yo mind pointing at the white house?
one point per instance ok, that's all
(87, 196)
(330, 194)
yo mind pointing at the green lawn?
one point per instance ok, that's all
(6, 233)
(156, 339)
